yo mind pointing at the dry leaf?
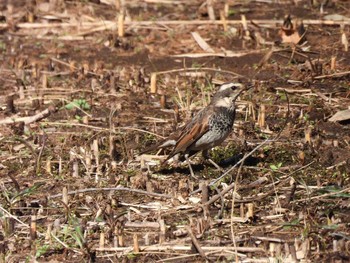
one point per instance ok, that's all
(340, 116)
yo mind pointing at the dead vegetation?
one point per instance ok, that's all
(86, 85)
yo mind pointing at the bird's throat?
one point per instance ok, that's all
(224, 102)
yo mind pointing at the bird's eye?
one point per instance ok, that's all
(234, 87)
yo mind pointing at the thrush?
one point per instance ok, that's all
(207, 129)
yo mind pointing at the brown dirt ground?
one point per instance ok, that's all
(301, 211)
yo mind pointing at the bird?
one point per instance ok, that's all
(205, 130)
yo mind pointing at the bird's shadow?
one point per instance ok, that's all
(198, 167)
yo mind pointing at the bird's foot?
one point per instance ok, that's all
(190, 167)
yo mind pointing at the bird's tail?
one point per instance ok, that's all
(161, 145)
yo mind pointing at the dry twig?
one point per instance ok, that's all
(112, 189)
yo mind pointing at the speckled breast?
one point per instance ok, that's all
(220, 126)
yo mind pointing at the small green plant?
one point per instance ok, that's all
(232, 12)
(78, 236)
(335, 191)
(289, 225)
(79, 103)
(283, 96)
(196, 65)
(26, 192)
(41, 250)
(275, 167)
(2, 46)
(221, 153)
(73, 231)
(78, 117)
(131, 256)
(306, 117)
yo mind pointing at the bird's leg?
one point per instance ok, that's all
(190, 167)
(206, 156)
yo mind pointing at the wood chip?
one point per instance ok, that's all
(201, 42)
(340, 116)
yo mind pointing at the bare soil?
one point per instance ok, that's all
(91, 91)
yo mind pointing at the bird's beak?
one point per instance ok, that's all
(249, 86)
(241, 89)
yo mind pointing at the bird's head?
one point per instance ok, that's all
(227, 94)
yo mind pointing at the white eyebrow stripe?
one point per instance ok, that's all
(230, 85)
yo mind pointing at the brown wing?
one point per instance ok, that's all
(192, 132)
